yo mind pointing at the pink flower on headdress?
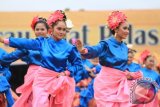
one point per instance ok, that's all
(115, 19)
(34, 21)
(57, 15)
(143, 55)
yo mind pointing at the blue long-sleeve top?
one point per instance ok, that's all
(111, 53)
(133, 67)
(54, 54)
(4, 85)
(81, 74)
(4, 70)
(5, 75)
(153, 75)
(7, 58)
(28, 56)
(2, 52)
(33, 57)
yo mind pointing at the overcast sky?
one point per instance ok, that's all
(50, 5)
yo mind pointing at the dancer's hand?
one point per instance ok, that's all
(61, 74)
(129, 77)
(79, 46)
(1, 40)
(137, 74)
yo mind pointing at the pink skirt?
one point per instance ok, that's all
(46, 90)
(111, 88)
(25, 100)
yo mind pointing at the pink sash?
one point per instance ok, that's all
(26, 89)
(111, 88)
(43, 89)
(61, 89)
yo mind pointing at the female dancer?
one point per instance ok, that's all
(40, 28)
(133, 69)
(5, 75)
(53, 85)
(154, 77)
(110, 85)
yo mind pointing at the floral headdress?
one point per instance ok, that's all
(115, 18)
(57, 15)
(69, 24)
(34, 21)
(144, 55)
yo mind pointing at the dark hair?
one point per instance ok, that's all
(131, 51)
(113, 31)
(158, 68)
(64, 18)
(147, 57)
(42, 20)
